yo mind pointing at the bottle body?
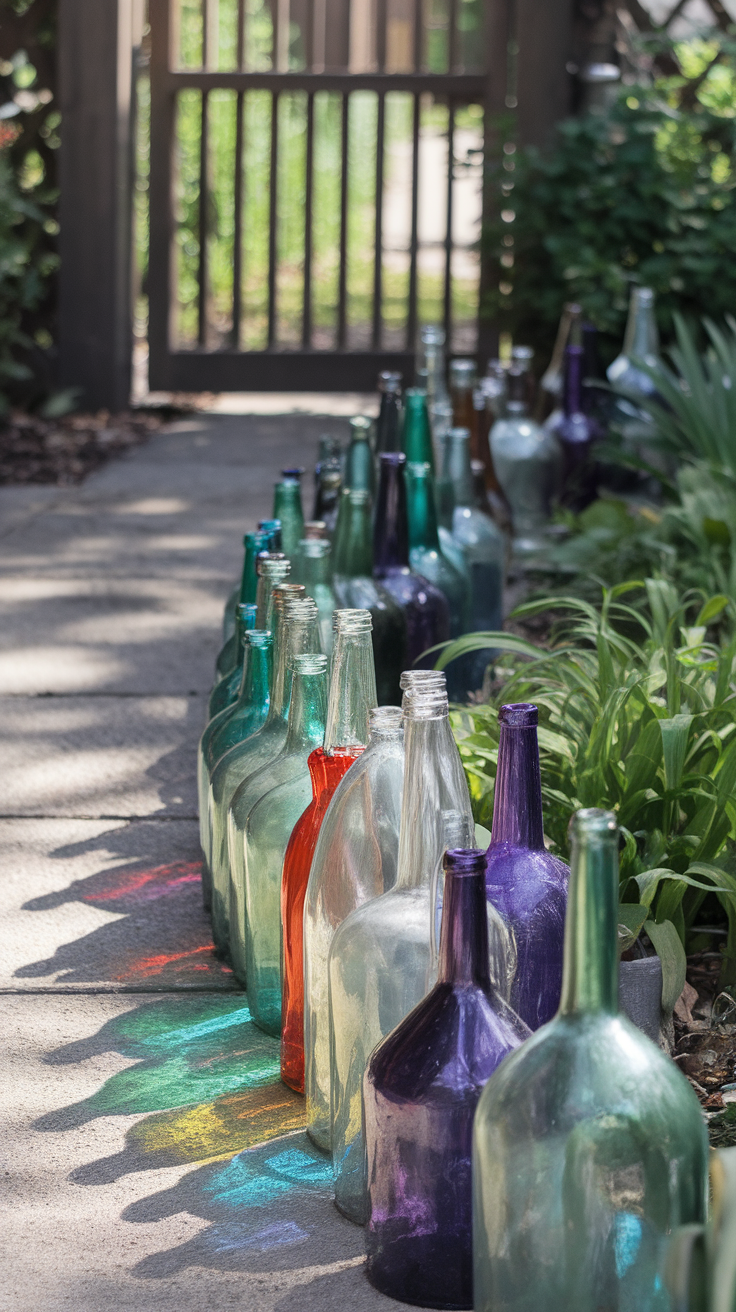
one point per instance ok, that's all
(575, 430)
(225, 691)
(526, 460)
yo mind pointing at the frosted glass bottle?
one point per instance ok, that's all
(641, 342)
(355, 860)
(285, 788)
(527, 461)
(225, 691)
(589, 1145)
(271, 568)
(315, 555)
(431, 362)
(380, 961)
(296, 631)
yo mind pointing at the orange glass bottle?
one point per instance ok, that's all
(352, 695)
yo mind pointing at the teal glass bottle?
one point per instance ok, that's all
(226, 690)
(245, 590)
(271, 568)
(416, 437)
(285, 791)
(589, 1145)
(425, 554)
(316, 558)
(246, 716)
(360, 472)
(295, 630)
(287, 506)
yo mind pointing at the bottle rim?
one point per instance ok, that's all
(311, 662)
(519, 715)
(593, 823)
(426, 704)
(258, 638)
(464, 861)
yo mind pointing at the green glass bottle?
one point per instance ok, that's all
(360, 470)
(316, 560)
(287, 506)
(416, 439)
(285, 791)
(225, 691)
(236, 780)
(233, 725)
(245, 591)
(589, 1145)
(425, 553)
(272, 567)
(355, 589)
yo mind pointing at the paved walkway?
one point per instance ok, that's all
(152, 1159)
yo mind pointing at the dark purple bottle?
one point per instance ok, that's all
(420, 1093)
(576, 429)
(426, 608)
(525, 883)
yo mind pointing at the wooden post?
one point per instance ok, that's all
(543, 84)
(97, 39)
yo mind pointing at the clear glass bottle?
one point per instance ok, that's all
(352, 695)
(425, 554)
(641, 342)
(356, 589)
(494, 388)
(252, 707)
(225, 691)
(355, 859)
(493, 500)
(360, 472)
(271, 568)
(552, 380)
(527, 461)
(416, 436)
(431, 361)
(295, 631)
(575, 430)
(315, 555)
(380, 961)
(287, 505)
(315, 530)
(388, 428)
(463, 381)
(589, 1145)
(525, 882)
(245, 591)
(425, 607)
(284, 790)
(420, 1092)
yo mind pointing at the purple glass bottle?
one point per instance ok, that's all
(525, 883)
(576, 429)
(420, 1093)
(426, 608)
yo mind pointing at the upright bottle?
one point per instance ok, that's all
(287, 505)
(552, 380)
(494, 388)
(315, 556)
(245, 591)
(327, 496)
(388, 430)
(253, 702)
(463, 380)
(425, 553)
(416, 437)
(380, 961)
(355, 859)
(272, 527)
(284, 792)
(271, 568)
(360, 472)
(225, 691)
(426, 608)
(494, 501)
(420, 1093)
(526, 884)
(526, 459)
(589, 1145)
(356, 589)
(352, 695)
(431, 362)
(483, 550)
(295, 631)
(641, 343)
(576, 431)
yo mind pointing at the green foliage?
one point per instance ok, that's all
(22, 277)
(636, 715)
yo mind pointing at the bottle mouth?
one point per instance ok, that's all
(519, 715)
(314, 548)
(245, 610)
(425, 704)
(423, 679)
(352, 621)
(384, 720)
(463, 861)
(594, 824)
(393, 459)
(258, 638)
(309, 663)
(303, 608)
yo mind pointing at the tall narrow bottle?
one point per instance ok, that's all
(287, 505)
(526, 459)
(360, 473)
(245, 591)
(388, 429)
(295, 631)
(641, 343)
(271, 567)
(494, 502)
(552, 380)
(420, 1093)
(416, 437)
(352, 695)
(285, 788)
(431, 362)
(425, 553)
(254, 704)
(380, 961)
(225, 691)
(576, 431)
(589, 1144)
(356, 589)
(315, 555)
(355, 859)
(426, 608)
(327, 495)
(463, 379)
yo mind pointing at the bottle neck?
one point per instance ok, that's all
(590, 974)
(307, 711)
(276, 572)
(391, 528)
(293, 637)
(456, 468)
(353, 550)
(517, 804)
(287, 506)
(463, 957)
(254, 542)
(359, 474)
(642, 337)
(573, 387)
(257, 671)
(352, 691)
(422, 511)
(316, 566)
(435, 806)
(417, 437)
(389, 422)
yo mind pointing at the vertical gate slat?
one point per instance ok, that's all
(238, 221)
(452, 36)
(378, 242)
(272, 218)
(447, 305)
(343, 280)
(203, 206)
(411, 318)
(308, 202)
(241, 36)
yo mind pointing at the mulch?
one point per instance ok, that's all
(64, 451)
(705, 1045)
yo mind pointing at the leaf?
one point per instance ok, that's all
(499, 642)
(666, 942)
(713, 607)
(631, 917)
(674, 747)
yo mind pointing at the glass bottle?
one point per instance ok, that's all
(315, 555)
(225, 691)
(271, 568)
(425, 554)
(416, 436)
(483, 550)
(575, 431)
(494, 388)
(352, 695)
(431, 361)
(388, 429)
(597, 400)
(273, 528)
(355, 859)
(426, 608)
(327, 495)
(525, 882)
(463, 380)
(589, 1145)
(355, 588)
(552, 380)
(252, 707)
(284, 791)
(641, 343)
(287, 505)
(420, 1092)
(526, 459)
(245, 591)
(360, 473)
(494, 500)
(380, 962)
(295, 631)
(315, 529)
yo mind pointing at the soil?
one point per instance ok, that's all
(705, 1045)
(64, 451)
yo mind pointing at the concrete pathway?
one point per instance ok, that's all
(151, 1157)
